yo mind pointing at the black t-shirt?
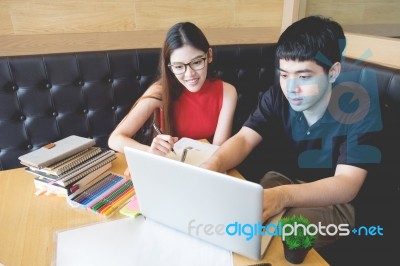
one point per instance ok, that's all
(344, 135)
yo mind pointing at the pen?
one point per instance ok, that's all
(159, 132)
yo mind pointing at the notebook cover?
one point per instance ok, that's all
(56, 151)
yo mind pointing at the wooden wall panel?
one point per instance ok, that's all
(161, 14)
(350, 12)
(43, 26)
(32, 17)
(63, 43)
(379, 50)
(158, 14)
(74, 16)
(255, 13)
(6, 27)
(371, 17)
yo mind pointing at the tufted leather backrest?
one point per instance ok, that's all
(383, 181)
(45, 98)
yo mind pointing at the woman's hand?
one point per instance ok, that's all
(162, 144)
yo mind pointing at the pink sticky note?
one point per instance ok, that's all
(132, 208)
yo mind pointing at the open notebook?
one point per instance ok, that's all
(196, 151)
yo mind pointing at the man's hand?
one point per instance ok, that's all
(274, 202)
(211, 164)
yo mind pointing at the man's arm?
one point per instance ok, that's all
(233, 151)
(340, 188)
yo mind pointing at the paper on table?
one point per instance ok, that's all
(176, 248)
(135, 241)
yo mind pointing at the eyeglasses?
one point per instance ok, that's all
(195, 64)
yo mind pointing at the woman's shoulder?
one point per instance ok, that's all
(229, 88)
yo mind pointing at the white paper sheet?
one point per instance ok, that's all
(135, 241)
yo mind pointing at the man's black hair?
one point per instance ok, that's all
(313, 38)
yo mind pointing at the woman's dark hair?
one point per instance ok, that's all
(313, 38)
(184, 33)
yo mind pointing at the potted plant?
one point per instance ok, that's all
(297, 237)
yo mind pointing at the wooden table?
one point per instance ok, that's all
(28, 223)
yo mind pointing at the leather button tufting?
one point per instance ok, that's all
(22, 118)
(85, 111)
(81, 83)
(48, 85)
(138, 77)
(55, 113)
(110, 80)
(29, 146)
(14, 87)
(113, 108)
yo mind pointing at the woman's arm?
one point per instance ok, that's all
(225, 119)
(134, 121)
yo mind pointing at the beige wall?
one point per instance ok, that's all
(361, 16)
(31, 17)
(43, 26)
(57, 26)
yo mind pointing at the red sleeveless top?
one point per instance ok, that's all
(196, 113)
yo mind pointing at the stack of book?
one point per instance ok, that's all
(75, 168)
(68, 165)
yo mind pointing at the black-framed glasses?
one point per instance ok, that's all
(195, 64)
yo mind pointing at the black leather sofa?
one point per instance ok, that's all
(44, 98)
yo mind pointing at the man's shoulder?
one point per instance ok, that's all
(273, 96)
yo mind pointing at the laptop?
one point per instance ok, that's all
(217, 208)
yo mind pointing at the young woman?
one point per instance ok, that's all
(186, 101)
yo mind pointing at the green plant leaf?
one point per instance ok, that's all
(301, 239)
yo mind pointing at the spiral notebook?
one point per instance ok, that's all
(86, 167)
(55, 152)
(79, 171)
(45, 185)
(72, 161)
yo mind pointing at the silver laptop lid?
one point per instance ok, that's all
(214, 207)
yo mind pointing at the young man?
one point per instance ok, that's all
(324, 133)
